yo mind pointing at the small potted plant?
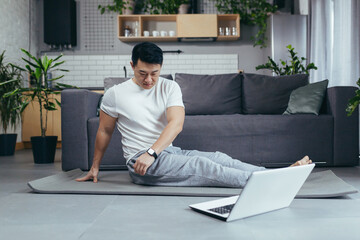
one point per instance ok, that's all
(42, 93)
(184, 7)
(9, 106)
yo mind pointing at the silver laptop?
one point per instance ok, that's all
(265, 191)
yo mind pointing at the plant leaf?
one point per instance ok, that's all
(57, 78)
(58, 103)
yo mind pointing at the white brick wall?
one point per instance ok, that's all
(90, 70)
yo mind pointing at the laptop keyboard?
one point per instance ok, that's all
(222, 209)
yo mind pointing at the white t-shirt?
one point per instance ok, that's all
(140, 113)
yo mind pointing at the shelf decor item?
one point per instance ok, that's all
(184, 8)
(296, 65)
(254, 13)
(10, 79)
(125, 7)
(42, 91)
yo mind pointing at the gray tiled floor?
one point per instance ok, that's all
(25, 215)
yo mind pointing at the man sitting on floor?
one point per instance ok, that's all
(149, 113)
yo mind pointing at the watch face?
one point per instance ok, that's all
(150, 151)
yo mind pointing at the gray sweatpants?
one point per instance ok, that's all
(177, 167)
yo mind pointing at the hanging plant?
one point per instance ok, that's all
(252, 12)
(118, 6)
(296, 65)
(162, 6)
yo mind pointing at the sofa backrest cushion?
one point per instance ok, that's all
(210, 94)
(112, 81)
(262, 94)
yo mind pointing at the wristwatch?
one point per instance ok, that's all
(152, 153)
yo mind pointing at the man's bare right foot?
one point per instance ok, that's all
(304, 161)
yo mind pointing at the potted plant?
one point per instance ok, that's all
(184, 7)
(125, 7)
(354, 102)
(9, 106)
(42, 93)
(163, 7)
(254, 12)
(296, 65)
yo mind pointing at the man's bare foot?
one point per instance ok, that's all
(304, 161)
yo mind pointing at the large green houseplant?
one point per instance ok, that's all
(42, 92)
(296, 65)
(9, 106)
(253, 13)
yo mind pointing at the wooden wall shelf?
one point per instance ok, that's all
(184, 26)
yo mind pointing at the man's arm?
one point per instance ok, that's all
(175, 117)
(103, 137)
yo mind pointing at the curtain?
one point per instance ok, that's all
(334, 41)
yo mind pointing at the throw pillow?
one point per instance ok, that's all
(263, 94)
(210, 94)
(307, 99)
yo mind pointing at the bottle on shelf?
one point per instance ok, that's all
(221, 31)
(136, 29)
(234, 32)
(127, 31)
(227, 31)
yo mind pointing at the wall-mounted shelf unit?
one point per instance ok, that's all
(185, 26)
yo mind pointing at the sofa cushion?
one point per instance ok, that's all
(210, 94)
(307, 99)
(267, 140)
(111, 81)
(263, 94)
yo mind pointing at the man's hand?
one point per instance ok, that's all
(143, 163)
(92, 175)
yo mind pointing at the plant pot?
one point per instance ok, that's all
(184, 8)
(7, 144)
(44, 149)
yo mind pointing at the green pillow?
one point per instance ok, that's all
(307, 99)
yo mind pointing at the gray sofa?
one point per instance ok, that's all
(238, 114)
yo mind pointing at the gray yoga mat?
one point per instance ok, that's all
(318, 185)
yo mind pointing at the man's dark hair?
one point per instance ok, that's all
(147, 52)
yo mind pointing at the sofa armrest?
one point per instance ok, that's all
(346, 129)
(77, 106)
